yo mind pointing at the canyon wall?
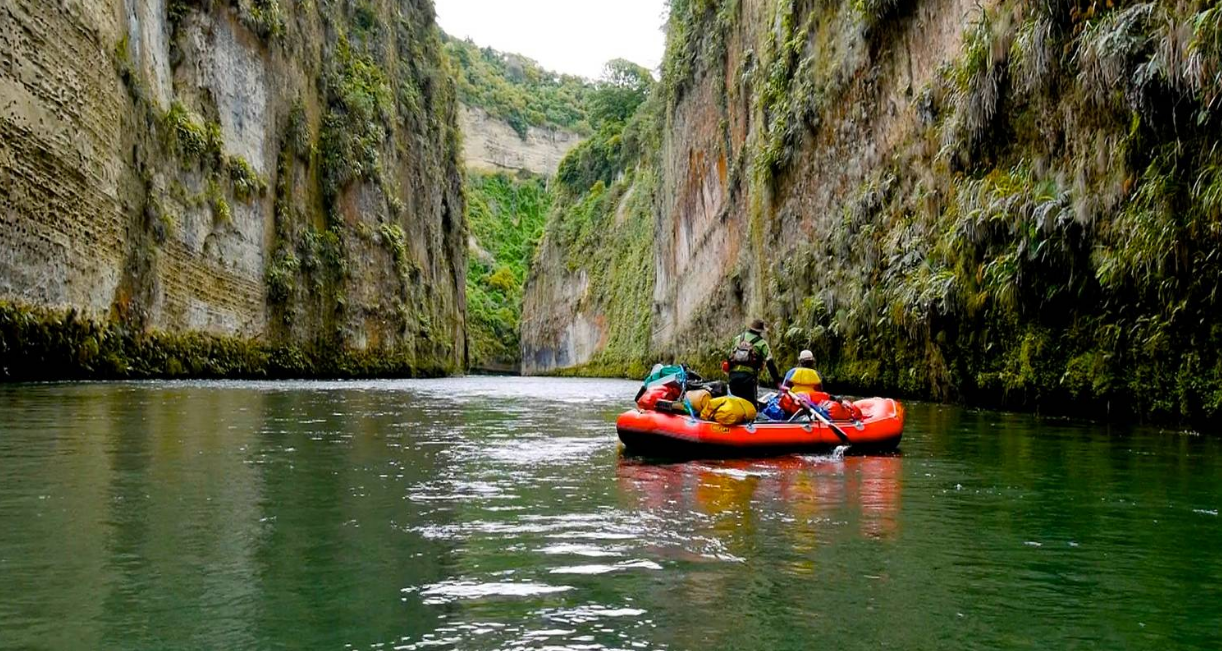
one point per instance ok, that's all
(519, 121)
(278, 179)
(491, 145)
(1004, 203)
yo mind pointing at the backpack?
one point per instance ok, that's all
(774, 410)
(745, 354)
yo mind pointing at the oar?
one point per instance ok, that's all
(844, 438)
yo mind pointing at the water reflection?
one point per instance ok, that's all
(497, 514)
(800, 491)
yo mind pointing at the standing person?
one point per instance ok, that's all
(748, 357)
(803, 378)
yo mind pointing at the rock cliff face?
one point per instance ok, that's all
(586, 305)
(280, 174)
(775, 140)
(1004, 203)
(518, 121)
(491, 145)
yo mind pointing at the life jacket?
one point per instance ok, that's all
(745, 356)
(805, 380)
(729, 410)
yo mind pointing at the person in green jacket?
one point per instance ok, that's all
(748, 357)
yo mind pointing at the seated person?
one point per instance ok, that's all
(803, 378)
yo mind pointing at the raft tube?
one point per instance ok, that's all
(658, 434)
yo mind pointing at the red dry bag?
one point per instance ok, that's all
(649, 400)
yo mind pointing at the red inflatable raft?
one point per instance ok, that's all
(654, 433)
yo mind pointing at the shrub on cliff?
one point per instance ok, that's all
(506, 217)
(517, 90)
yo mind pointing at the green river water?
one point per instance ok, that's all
(497, 513)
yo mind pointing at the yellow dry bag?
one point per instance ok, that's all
(729, 410)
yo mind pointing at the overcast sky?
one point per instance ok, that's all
(572, 36)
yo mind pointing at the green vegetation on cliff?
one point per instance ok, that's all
(353, 185)
(1040, 226)
(515, 89)
(1049, 238)
(607, 233)
(360, 106)
(506, 217)
(47, 344)
(263, 17)
(603, 223)
(364, 266)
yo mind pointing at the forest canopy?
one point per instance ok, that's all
(517, 90)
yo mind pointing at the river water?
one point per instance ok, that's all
(496, 513)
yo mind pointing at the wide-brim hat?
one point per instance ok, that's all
(758, 324)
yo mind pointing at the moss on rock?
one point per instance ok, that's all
(43, 344)
(1035, 225)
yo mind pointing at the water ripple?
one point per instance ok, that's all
(452, 590)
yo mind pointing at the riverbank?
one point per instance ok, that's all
(38, 344)
(47, 344)
(1054, 401)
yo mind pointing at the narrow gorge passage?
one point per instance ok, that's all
(323, 324)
